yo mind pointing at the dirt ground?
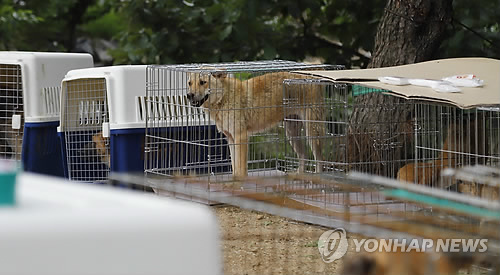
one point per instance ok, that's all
(257, 243)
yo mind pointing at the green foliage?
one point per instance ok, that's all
(336, 31)
(475, 31)
(11, 20)
(102, 21)
(185, 31)
(168, 31)
(55, 25)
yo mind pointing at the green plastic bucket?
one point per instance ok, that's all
(8, 174)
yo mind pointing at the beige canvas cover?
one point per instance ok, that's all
(484, 68)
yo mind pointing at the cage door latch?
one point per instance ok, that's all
(105, 129)
(16, 122)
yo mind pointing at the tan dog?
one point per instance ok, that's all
(426, 173)
(100, 144)
(407, 263)
(466, 137)
(242, 108)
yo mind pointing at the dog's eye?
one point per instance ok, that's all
(202, 82)
(190, 83)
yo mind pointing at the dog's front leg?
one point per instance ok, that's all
(240, 169)
(230, 142)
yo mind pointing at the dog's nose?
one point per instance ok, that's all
(190, 96)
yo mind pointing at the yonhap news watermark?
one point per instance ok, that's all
(333, 245)
(420, 245)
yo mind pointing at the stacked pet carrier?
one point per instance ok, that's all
(103, 122)
(29, 105)
(216, 117)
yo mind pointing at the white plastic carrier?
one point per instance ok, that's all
(103, 118)
(58, 228)
(29, 106)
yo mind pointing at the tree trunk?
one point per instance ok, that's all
(75, 16)
(381, 132)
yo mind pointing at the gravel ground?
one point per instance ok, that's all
(257, 243)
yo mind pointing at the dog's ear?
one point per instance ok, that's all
(219, 74)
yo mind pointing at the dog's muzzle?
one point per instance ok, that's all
(194, 102)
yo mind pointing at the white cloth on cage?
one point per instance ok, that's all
(467, 80)
(445, 85)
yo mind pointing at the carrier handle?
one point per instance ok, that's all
(16, 122)
(105, 129)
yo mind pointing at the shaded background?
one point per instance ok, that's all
(175, 31)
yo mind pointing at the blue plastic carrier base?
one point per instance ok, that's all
(127, 150)
(199, 150)
(192, 150)
(41, 152)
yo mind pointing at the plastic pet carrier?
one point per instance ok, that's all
(29, 107)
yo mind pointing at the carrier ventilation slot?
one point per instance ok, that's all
(167, 108)
(51, 98)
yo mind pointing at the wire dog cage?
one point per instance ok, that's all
(221, 117)
(29, 107)
(356, 137)
(365, 204)
(478, 180)
(103, 122)
(450, 137)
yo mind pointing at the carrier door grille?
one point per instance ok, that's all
(11, 112)
(85, 110)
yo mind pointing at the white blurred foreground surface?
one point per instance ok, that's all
(61, 227)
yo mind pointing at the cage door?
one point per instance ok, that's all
(85, 109)
(11, 112)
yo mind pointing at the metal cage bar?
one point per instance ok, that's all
(86, 109)
(374, 145)
(11, 112)
(449, 137)
(185, 136)
(360, 203)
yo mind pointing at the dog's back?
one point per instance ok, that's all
(241, 108)
(407, 263)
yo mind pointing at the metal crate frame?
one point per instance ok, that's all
(450, 137)
(360, 203)
(391, 142)
(182, 138)
(11, 111)
(85, 111)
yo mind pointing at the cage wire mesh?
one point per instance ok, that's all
(11, 112)
(210, 118)
(85, 111)
(450, 137)
(353, 134)
(364, 204)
